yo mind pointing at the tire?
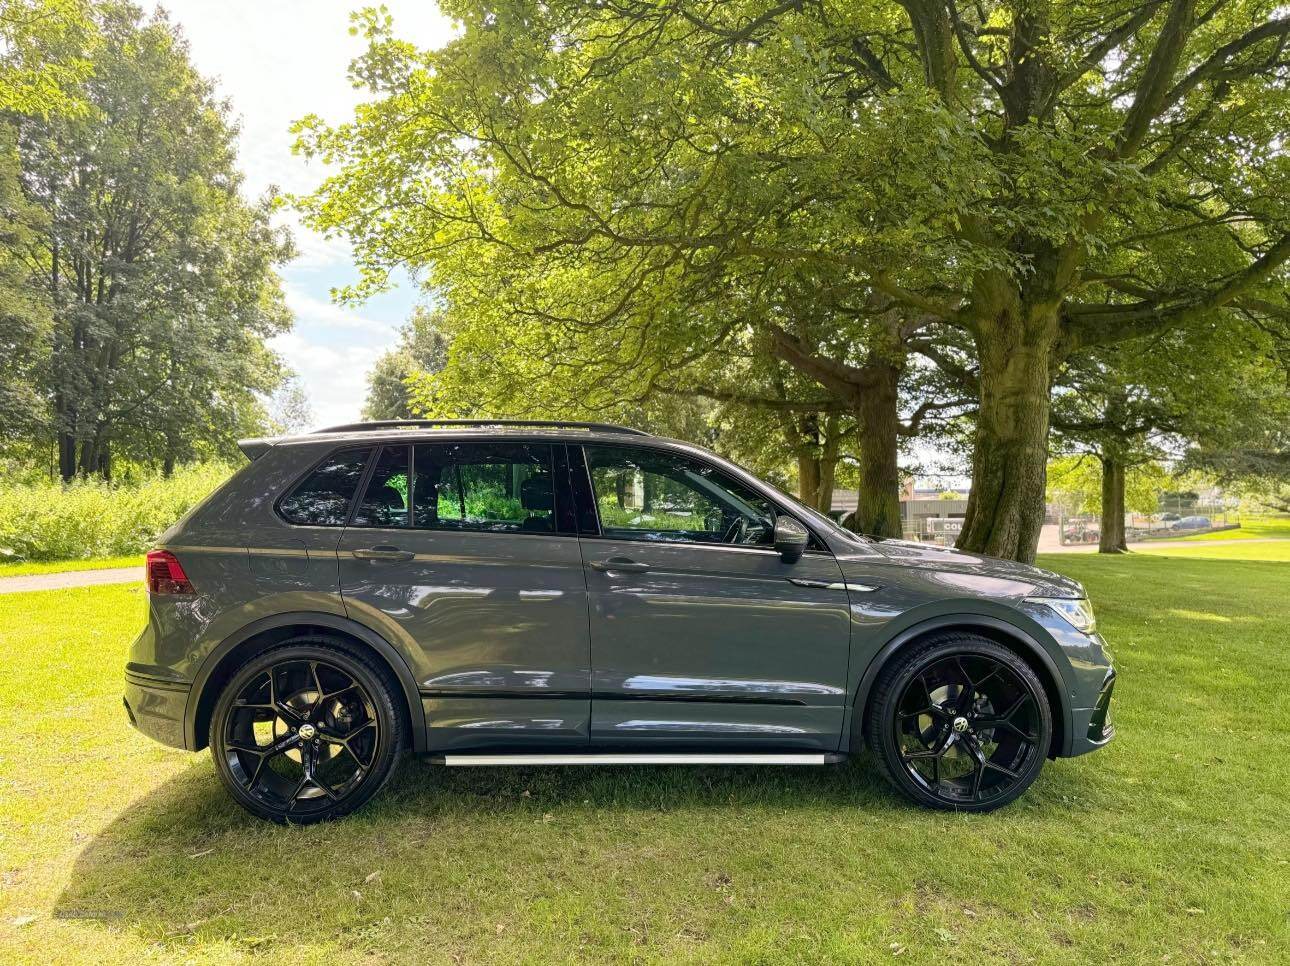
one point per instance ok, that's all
(307, 731)
(959, 722)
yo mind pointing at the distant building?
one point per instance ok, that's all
(924, 515)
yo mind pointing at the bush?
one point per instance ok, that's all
(90, 518)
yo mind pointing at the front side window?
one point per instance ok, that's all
(385, 501)
(498, 487)
(322, 499)
(644, 494)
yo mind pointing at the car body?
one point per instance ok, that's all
(1192, 523)
(578, 592)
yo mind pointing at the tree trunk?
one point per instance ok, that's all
(66, 456)
(1010, 457)
(828, 468)
(808, 476)
(1112, 536)
(878, 418)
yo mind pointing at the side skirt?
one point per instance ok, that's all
(828, 758)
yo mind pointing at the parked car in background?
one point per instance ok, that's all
(536, 594)
(1192, 523)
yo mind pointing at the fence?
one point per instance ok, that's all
(1188, 519)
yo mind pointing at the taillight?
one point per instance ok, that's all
(165, 575)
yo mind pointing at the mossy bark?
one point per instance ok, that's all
(878, 419)
(1009, 461)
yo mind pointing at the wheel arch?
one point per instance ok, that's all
(1023, 644)
(258, 636)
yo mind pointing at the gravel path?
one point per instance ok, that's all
(70, 578)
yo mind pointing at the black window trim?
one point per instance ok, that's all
(818, 544)
(373, 458)
(291, 487)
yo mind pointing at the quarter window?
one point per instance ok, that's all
(323, 498)
(644, 494)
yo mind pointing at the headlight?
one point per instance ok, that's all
(1077, 613)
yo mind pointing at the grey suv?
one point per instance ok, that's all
(539, 594)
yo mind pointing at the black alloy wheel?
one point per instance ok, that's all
(306, 732)
(961, 722)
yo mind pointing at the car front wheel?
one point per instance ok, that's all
(306, 732)
(960, 722)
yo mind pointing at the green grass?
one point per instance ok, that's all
(1170, 845)
(1271, 550)
(26, 568)
(1252, 528)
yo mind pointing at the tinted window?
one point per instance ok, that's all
(506, 487)
(322, 499)
(385, 501)
(644, 494)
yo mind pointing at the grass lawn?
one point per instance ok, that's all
(1252, 528)
(1170, 845)
(29, 567)
(1269, 550)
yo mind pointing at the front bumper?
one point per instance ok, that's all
(1093, 727)
(156, 707)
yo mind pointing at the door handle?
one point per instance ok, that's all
(382, 553)
(620, 565)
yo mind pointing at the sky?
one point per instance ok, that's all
(276, 61)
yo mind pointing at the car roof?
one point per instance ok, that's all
(414, 430)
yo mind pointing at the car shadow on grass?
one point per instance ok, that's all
(184, 864)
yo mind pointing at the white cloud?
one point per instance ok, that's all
(334, 377)
(312, 311)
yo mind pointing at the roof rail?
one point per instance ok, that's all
(424, 423)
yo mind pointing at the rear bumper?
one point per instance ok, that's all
(1094, 728)
(156, 708)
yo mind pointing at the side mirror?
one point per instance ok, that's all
(791, 538)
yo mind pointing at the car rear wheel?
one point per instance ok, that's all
(960, 722)
(306, 732)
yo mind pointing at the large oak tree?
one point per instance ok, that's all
(1044, 177)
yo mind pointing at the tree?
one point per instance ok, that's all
(1045, 178)
(39, 77)
(1135, 404)
(288, 409)
(161, 277)
(422, 350)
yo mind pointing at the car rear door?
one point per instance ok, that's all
(701, 635)
(465, 552)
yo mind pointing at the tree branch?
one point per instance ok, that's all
(1149, 97)
(846, 380)
(1090, 325)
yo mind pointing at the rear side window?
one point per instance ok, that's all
(323, 498)
(499, 487)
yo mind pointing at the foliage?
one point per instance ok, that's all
(422, 352)
(161, 277)
(94, 518)
(1075, 483)
(607, 192)
(41, 68)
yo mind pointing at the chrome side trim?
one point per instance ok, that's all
(817, 584)
(637, 759)
(832, 585)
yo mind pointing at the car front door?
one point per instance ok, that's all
(701, 634)
(466, 553)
